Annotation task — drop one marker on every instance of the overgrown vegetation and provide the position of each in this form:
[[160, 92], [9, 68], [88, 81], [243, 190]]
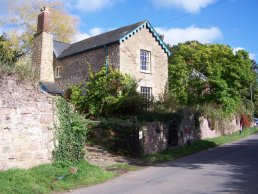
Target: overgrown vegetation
[[107, 93], [50, 177], [197, 146], [213, 80], [210, 74], [13, 63], [70, 133]]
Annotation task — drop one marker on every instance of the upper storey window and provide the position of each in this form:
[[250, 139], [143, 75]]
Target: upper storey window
[[145, 60]]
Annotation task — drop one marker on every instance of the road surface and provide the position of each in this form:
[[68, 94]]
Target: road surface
[[231, 168]]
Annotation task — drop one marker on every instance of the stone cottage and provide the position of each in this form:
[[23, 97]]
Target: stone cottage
[[136, 49]]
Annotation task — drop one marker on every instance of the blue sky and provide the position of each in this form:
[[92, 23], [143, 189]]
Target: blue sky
[[232, 22]]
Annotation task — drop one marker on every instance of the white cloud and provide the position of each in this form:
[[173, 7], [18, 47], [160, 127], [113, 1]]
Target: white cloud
[[95, 31], [251, 55], [187, 5], [180, 35], [92, 32], [90, 5]]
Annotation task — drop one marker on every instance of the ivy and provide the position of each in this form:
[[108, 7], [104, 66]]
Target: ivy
[[70, 133]]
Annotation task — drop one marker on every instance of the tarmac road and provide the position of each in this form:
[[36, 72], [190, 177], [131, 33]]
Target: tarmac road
[[231, 168]]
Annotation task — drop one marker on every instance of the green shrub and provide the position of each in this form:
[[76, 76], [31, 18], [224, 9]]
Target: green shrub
[[107, 93], [70, 133]]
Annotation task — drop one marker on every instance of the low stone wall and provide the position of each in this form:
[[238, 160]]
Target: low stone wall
[[227, 127], [156, 134], [25, 119]]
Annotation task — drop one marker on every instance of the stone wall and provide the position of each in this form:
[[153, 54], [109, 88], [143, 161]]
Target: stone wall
[[154, 137], [25, 118], [155, 134], [227, 127], [157, 77], [75, 69]]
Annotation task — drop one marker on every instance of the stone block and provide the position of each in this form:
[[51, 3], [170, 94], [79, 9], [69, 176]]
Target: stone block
[[46, 119], [6, 149], [39, 156], [25, 156], [6, 111]]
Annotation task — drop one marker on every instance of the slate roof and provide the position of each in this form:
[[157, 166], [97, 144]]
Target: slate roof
[[59, 47], [51, 88], [63, 50]]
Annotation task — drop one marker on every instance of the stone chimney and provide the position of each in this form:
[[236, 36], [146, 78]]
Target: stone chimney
[[42, 57]]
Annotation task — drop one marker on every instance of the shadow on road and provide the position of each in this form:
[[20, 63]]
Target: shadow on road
[[238, 161]]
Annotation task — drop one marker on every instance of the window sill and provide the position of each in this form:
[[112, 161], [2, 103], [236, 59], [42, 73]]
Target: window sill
[[145, 72], [57, 77]]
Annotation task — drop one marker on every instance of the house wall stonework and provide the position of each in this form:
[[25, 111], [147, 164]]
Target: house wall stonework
[[75, 69], [130, 61], [25, 118]]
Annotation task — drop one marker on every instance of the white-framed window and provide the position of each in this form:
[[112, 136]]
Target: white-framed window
[[57, 72], [145, 57], [146, 91]]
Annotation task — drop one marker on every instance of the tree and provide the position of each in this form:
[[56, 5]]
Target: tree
[[21, 23], [229, 76], [7, 55]]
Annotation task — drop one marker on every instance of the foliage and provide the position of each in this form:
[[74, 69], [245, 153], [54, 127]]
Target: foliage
[[209, 73], [196, 146], [70, 133], [21, 22], [107, 93], [7, 54], [21, 69], [40, 179], [117, 135]]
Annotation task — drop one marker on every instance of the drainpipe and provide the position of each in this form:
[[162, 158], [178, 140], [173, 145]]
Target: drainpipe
[[106, 48]]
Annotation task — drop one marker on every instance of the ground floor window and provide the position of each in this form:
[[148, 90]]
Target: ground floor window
[[146, 91], [57, 72]]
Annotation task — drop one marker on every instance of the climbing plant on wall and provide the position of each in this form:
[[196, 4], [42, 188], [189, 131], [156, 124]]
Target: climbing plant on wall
[[70, 133]]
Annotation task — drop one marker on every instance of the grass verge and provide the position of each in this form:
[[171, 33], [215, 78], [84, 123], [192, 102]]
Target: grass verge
[[41, 179], [121, 168], [174, 153]]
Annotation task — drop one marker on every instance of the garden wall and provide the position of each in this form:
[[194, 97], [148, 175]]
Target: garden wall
[[25, 118], [156, 134]]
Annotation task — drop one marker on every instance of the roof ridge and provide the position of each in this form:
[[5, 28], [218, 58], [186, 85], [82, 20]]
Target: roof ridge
[[110, 31], [61, 42]]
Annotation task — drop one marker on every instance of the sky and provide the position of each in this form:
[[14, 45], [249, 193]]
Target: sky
[[231, 22]]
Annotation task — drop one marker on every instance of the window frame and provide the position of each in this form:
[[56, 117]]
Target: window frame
[[57, 72], [146, 91], [146, 57]]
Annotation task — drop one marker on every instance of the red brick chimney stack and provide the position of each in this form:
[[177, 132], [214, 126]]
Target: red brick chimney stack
[[43, 20]]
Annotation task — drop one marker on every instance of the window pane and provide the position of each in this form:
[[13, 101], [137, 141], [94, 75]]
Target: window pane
[[146, 91], [144, 59]]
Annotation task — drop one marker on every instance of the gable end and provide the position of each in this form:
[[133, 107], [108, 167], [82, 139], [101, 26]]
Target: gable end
[[154, 33]]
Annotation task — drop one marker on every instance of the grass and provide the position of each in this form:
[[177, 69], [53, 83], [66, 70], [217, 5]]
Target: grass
[[197, 146], [40, 179], [123, 167]]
